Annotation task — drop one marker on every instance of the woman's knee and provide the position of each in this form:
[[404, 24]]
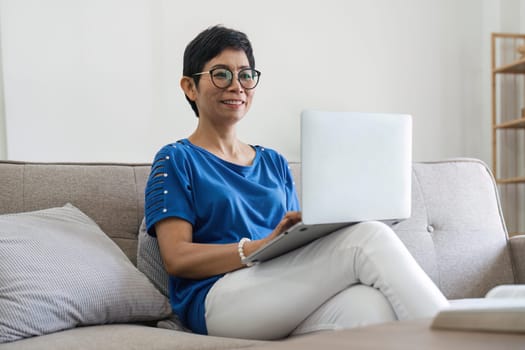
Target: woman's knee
[[375, 226], [369, 232], [358, 305], [364, 305]]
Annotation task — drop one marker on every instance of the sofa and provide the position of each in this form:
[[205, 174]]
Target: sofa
[[69, 243]]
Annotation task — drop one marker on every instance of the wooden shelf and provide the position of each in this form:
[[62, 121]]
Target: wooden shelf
[[511, 124], [507, 47], [511, 180], [512, 234], [517, 67]]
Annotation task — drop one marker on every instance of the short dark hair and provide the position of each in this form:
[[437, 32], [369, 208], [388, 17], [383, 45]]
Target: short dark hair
[[209, 44]]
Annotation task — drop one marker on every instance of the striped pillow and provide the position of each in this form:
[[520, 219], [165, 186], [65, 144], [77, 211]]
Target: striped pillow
[[59, 270], [149, 261]]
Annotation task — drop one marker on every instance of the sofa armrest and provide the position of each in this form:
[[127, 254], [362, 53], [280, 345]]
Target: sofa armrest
[[517, 249]]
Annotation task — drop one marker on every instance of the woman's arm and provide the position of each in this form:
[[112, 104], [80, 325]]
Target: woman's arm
[[185, 259]]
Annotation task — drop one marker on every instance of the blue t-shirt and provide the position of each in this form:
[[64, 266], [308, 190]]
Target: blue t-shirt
[[222, 201]]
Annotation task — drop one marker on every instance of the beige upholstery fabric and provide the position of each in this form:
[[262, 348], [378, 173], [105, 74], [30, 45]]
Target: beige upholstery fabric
[[455, 233], [111, 194], [456, 230], [128, 337]]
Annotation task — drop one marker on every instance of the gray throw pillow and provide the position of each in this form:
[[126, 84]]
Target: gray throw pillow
[[149, 262], [59, 270]]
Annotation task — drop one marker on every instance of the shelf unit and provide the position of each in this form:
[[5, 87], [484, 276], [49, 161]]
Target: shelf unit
[[508, 126]]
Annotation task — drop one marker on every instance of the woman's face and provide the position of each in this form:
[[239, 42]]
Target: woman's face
[[227, 105]]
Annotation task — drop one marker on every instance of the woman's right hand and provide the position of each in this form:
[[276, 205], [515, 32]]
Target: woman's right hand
[[291, 218]]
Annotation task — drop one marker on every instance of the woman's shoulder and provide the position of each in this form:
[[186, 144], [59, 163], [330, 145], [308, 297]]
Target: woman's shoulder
[[271, 154], [175, 150]]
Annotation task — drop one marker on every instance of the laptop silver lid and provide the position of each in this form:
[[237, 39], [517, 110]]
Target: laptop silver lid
[[355, 166]]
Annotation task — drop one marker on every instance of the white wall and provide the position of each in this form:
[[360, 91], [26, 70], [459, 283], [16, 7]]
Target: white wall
[[98, 80], [77, 78]]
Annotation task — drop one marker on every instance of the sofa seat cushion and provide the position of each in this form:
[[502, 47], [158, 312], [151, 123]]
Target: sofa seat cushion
[[129, 337], [59, 270]]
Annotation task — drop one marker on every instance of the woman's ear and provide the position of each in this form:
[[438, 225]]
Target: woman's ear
[[188, 86]]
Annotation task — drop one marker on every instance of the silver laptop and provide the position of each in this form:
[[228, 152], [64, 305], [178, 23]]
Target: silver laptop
[[354, 167]]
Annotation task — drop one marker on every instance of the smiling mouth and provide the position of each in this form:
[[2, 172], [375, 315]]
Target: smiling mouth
[[233, 102]]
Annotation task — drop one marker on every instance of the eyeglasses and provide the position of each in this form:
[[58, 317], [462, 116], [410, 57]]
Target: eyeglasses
[[223, 77]]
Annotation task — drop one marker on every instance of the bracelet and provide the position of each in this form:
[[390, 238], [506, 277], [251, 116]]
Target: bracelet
[[240, 249]]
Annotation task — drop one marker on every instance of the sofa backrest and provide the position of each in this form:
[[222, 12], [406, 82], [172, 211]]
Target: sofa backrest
[[111, 194], [456, 231]]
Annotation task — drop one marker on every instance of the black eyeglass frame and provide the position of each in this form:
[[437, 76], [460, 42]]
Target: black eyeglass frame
[[210, 72]]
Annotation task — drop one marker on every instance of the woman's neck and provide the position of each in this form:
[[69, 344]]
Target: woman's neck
[[223, 143]]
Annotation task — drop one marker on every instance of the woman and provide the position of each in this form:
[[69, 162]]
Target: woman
[[212, 199]]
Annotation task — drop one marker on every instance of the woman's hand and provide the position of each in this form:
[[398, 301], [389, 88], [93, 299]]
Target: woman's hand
[[291, 218]]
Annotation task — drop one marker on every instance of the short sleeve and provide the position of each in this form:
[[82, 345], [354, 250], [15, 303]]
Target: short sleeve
[[168, 191], [292, 201]]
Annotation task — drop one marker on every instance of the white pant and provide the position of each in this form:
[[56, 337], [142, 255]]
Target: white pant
[[358, 275]]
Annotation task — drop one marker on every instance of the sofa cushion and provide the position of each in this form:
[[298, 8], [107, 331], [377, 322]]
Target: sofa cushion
[[128, 337], [59, 270], [149, 260], [456, 231]]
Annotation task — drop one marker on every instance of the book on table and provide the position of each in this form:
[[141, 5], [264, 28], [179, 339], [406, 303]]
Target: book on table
[[502, 310]]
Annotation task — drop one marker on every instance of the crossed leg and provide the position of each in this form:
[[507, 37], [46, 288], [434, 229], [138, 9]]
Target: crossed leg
[[309, 288]]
